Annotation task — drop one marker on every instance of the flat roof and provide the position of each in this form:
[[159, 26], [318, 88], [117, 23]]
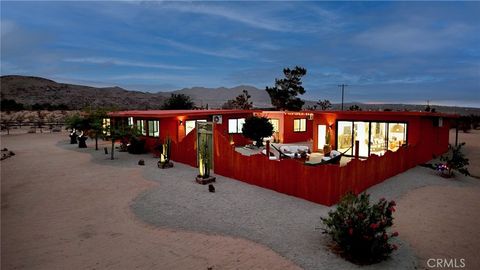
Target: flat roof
[[174, 113], [368, 113], [392, 113]]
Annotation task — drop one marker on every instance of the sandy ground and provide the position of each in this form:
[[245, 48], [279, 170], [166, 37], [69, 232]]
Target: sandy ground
[[82, 217], [443, 222], [60, 211]]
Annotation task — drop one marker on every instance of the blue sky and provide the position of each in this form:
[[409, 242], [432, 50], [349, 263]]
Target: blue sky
[[395, 52]]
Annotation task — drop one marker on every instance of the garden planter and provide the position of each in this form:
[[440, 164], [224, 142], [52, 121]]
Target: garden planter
[[205, 180], [165, 164], [327, 148]]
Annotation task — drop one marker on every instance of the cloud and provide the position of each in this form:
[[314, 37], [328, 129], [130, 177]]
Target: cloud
[[226, 52], [412, 38], [241, 16], [117, 62]]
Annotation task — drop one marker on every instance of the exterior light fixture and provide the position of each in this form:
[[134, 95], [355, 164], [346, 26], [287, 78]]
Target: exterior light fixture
[[180, 122]]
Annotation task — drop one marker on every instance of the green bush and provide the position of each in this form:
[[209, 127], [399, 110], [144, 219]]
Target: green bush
[[359, 229]]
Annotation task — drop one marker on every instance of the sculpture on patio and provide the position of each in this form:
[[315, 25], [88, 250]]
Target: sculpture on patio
[[82, 140]]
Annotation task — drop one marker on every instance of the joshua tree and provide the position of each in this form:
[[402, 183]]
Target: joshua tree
[[257, 128], [241, 102], [284, 94]]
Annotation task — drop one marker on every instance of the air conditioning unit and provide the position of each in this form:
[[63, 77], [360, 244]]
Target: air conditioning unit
[[217, 119], [310, 117]]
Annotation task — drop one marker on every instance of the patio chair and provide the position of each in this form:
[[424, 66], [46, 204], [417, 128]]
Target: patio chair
[[331, 160]]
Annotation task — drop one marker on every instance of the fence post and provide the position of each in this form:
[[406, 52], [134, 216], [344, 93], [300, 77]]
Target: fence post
[[267, 149], [357, 150]]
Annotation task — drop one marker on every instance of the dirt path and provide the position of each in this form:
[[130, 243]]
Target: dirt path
[[60, 211]]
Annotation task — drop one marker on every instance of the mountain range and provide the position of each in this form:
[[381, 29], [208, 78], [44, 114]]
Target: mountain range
[[30, 90]]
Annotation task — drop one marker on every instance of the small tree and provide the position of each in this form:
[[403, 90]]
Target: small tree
[[284, 94], [178, 102], [121, 133], [95, 120], [324, 104], [257, 128], [241, 102]]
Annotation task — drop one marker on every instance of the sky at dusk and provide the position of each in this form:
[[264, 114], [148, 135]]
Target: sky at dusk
[[388, 52]]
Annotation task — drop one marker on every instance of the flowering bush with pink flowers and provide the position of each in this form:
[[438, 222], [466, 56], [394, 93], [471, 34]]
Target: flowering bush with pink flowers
[[359, 229]]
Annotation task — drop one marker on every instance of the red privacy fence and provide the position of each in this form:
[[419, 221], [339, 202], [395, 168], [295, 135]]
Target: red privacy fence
[[324, 184]]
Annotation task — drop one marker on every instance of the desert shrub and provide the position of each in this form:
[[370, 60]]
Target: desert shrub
[[359, 229], [453, 160]]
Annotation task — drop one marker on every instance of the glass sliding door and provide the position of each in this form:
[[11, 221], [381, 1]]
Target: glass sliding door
[[378, 138], [397, 135], [344, 136], [361, 134]]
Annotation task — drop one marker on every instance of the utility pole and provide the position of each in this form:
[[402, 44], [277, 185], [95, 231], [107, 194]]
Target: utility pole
[[343, 91]]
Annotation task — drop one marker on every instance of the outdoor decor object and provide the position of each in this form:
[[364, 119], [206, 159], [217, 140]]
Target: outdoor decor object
[[204, 166], [165, 150], [141, 162], [211, 188], [82, 141], [73, 137]]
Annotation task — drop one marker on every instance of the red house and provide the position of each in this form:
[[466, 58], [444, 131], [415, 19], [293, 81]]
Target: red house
[[386, 143]]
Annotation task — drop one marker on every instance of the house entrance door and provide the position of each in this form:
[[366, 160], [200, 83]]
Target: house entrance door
[[205, 143]]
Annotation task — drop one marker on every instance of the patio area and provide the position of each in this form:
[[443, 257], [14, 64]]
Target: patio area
[[313, 157]]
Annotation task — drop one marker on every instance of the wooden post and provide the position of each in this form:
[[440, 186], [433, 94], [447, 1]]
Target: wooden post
[[456, 135], [357, 150], [267, 149]]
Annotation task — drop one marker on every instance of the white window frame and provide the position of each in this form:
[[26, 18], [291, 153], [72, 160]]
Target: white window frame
[[235, 125], [301, 128]]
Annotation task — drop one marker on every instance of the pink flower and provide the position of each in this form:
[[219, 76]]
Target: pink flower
[[394, 247], [391, 209], [393, 203], [373, 226], [395, 234], [350, 231]]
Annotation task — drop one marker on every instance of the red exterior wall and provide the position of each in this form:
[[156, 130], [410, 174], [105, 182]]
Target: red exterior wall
[[431, 141], [286, 132]]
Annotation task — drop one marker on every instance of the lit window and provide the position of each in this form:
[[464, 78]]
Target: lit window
[[142, 127], [235, 125], [276, 124], [153, 128], [130, 121], [299, 125], [106, 126], [190, 125]]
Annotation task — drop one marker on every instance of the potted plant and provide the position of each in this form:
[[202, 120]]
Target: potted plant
[[165, 150], [327, 148], [204, 176]]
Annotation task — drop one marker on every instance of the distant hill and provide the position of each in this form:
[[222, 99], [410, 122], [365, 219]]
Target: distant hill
[[216, 97], [30, 90]]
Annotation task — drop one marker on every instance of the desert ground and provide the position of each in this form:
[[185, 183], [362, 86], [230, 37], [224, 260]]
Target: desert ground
[[64, 207]]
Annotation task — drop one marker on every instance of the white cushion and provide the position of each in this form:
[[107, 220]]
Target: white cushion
[[334, 153]]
